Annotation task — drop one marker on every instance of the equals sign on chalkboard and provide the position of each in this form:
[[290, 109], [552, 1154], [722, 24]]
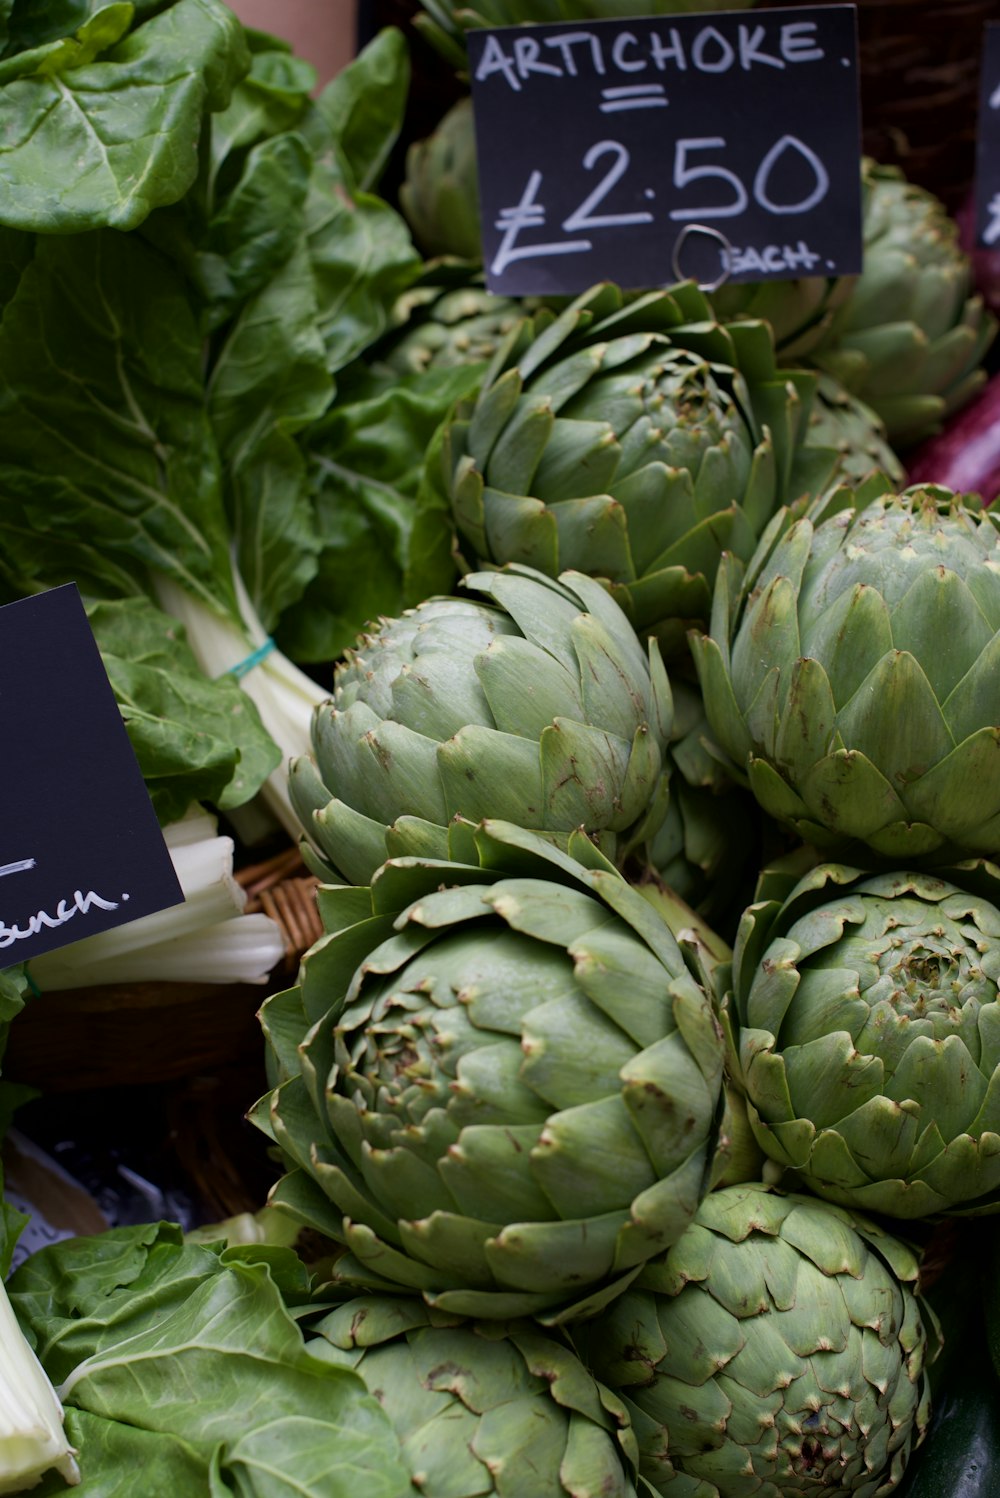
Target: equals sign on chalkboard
[[634, 96]]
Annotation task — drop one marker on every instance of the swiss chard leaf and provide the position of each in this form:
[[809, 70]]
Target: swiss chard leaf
[[188, 1363], [103, 126], [195, 739], [269, 381], [109, 466], [383, 547], [363, 106]]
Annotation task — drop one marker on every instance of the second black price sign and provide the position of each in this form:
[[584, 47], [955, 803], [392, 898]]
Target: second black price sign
[[720, 146]]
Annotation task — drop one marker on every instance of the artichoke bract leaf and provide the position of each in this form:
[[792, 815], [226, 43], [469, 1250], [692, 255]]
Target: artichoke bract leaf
[[412, 837], [518, 449], [527, 687], [848, 797], [354, 843], [774, 794], [763, 1075], [974, 699], [486, 1178], [557, 1258], [975, 1163], [491, 413], [760, 496], [625, 982], [469, 508], [521, 529], [343, 905], [761, 715], [289, 1123], [724, 716], [593, 535], [299, 1197], [883, 1138], [580, 458], [909, 417], [283, 1020], [589, 1464], [543, 608], [400, 1180], [581, 766], [609, 683], [329, 965], [939, 623], [850, 637], [379, 1258], [770, 986], [827, 1078], [960, 795], [896, 692], [665, 1094], [808, 720], [599, 1137], [486, 773], [944, 1070]]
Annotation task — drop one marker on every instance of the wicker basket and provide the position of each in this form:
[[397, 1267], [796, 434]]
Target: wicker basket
[[145, 1033]]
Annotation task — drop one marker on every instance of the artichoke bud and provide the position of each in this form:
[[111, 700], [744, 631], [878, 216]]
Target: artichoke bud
[[778, 1346], [507, 1083], [852, 680], [480, 1409], [868, 1012], [631, 439], [540, 707]]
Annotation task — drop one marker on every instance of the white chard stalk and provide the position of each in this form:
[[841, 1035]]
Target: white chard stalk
[[207, 939], [285, 696], [32, 1439]]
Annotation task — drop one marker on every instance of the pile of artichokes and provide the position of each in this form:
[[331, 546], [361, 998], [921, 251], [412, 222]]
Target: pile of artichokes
[[603, 1062]]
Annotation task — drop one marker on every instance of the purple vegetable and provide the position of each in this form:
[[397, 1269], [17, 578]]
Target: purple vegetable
[[966, 455]]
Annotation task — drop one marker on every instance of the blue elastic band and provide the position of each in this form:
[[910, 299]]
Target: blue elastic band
[[253, 659]]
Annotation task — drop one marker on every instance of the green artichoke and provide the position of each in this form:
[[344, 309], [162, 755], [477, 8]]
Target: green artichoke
[[543, 710], [499, 1084], [484, 1408], [445, 326], [869, 1034], [778, 1349], [799, 311], [910, 339], [445, 22], [440, 194], [840, 421], [623, 441], [854, 676]]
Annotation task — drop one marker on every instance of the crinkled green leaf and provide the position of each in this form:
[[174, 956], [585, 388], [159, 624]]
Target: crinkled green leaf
[[383, 547], [195, 739], [100, 130], [182, 1362], [363, 106], [105, 443]]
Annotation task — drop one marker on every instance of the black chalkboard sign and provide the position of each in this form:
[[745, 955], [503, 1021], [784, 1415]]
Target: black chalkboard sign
[[988, 142], [643, 151], [80, 847]]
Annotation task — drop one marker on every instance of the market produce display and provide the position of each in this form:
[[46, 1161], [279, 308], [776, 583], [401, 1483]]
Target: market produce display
[[629, 722]]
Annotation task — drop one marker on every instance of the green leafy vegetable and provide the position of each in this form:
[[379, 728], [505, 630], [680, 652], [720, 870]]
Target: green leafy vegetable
[[383, 548], [102, 125], [183, 1361], [363, 106], [195, 739], [106, 444]]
